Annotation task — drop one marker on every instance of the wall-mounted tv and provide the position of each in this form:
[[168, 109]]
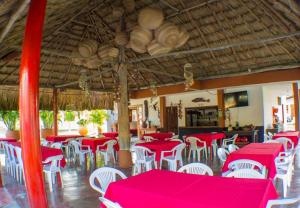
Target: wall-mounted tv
[[236, 99]]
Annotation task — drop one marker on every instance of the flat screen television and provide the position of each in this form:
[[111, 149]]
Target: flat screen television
[[236, 99]]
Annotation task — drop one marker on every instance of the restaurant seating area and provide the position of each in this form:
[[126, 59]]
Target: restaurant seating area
[[149, 104]]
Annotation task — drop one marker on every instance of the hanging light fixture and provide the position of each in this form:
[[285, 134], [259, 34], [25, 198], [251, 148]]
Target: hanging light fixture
[[153, 89], [188, 76], [83, 81]]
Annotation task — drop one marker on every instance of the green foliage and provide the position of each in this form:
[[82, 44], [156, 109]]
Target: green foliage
[[10, 119], [47, 119], [69, 116], [83, 122], [98, 116]]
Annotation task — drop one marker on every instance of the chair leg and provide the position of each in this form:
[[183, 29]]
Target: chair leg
[[284, 184], [189, 156], [49, 176], [198, 154], [61, 179]]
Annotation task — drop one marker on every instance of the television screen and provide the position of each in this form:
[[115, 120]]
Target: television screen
[[236, 99]]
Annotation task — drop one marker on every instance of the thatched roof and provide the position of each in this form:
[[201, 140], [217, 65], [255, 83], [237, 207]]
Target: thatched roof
[[67, 99], [226, 37]]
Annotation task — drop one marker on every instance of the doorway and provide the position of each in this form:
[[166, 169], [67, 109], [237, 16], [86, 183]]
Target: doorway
[[172, 119]]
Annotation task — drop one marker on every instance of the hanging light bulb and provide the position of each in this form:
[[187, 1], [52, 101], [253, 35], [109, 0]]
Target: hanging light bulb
[[188, 76]]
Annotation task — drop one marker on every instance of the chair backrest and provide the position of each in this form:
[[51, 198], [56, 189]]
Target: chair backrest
[[104, 176], [232, 148], [222, 154], [246, 173], [247, 164], [234, 138], [176, 140], [54, 162], [193, 142], [276, 202], [287, 143], [56, 145], [266, 137], [1, 145], [149, 138], [19, 156], [12, 153], [110, 145], [270, 135], [108, 203], [196, 168], [76, 146], [7, 151], [45, 143], [141, 153], [177, 151]]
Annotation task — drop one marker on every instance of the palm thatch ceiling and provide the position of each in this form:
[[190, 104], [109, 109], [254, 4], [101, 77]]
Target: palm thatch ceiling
[[227, 37]]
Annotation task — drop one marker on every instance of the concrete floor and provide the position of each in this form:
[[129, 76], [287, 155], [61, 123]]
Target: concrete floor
[[77, 192]]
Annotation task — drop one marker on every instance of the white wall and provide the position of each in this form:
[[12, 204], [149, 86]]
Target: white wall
[[251, 114], [186, 99]]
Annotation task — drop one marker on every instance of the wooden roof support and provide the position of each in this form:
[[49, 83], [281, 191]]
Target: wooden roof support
[[14, 17], [296, 105], [218, 48]]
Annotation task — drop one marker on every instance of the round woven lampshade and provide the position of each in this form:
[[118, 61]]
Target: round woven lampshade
[[150, 18]]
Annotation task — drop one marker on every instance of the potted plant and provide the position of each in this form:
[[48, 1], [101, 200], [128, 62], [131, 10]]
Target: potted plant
[[10, 119], [97, 117], [83, 131], [69, 117], [47, 123]]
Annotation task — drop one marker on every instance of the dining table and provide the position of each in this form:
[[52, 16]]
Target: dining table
[[168, 189], [61, 138], [94, 142], [158, 147], [264, 153], [292, 135], [159, 135], [47, 152], [8, 140], [208, 137], [113, 135]]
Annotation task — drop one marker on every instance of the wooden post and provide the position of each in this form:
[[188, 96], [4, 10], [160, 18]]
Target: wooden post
[[221, 108], [29, 105], [296, 106], [123, 120], [162, 111], [55, 111]]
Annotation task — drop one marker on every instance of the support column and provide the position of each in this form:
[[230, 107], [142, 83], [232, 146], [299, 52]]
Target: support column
[[29, 105], [221, 108], [296, 106], [55, 111], [162, 112], [123, 119]]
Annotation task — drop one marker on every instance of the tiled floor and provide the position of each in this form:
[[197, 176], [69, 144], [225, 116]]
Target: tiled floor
[[77, 192]]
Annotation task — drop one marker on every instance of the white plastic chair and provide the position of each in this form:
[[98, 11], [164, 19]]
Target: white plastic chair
[[56, 145], [194, 148], [247, 164], [81, 152], [149, 138], [287, 143], [8, 159], [196, 168], [19, 165], [144, 158], [222, 154], [266, 137], [277, 202], [229, 141], [108, 151], [176, 140], [51, 168], [232, 148], [104, 176], [270, 135], [176, 155], [45, 143], [13, 160], [108, 203], [245, 173]]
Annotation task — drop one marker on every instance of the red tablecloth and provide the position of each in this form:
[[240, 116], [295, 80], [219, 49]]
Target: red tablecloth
[[47, 152], [61, 138], [292, 135], [159, 136], [265, 153], [8, 140], [159, 146], [94, 142], [111, 134], [168, 189], [209, 137]]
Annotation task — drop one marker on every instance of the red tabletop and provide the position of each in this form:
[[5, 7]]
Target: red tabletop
[[159, 146], [8, 140], [47, 152], [265, 153], [61, 138], [94, 142], [292, 135], [160, 136], [111, 134], [168, 189], [209, 137]]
